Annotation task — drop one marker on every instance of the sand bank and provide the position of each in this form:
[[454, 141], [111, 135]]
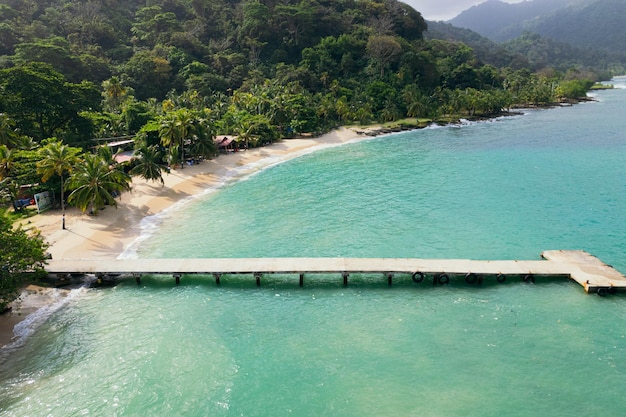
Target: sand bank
[[24, 312], [113, 230], [110, 232]]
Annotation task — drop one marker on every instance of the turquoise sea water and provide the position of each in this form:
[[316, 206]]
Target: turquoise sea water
[[505, 189]]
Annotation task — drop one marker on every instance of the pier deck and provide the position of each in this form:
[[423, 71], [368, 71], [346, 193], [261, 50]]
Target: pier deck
[[591, 273]]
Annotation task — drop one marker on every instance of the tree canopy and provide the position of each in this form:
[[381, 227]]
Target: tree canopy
[[173, 75], [42, 103], [79, 71], [20, 253]]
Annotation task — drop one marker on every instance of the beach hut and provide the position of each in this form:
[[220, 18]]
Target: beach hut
[[226, 143]]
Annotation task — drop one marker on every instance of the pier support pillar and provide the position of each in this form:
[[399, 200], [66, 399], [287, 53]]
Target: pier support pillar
[[257, 277], [389, 278], [442, 279], [217, 278], [472, 278], [345, 276], [177, 278], [137, 278], [301, 280]]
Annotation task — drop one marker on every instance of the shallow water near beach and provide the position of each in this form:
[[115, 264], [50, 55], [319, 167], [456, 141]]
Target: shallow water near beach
[[504, 189]]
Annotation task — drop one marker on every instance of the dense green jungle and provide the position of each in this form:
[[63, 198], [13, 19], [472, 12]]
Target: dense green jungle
[[169, 76]]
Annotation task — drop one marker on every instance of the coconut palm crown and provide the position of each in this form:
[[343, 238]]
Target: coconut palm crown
[[95, 183]]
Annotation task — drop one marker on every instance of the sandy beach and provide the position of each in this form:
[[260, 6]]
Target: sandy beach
[[114, 229], [32, 298]]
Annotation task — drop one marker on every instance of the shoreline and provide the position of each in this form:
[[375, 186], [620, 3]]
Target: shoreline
[[115, 229], [33, 298]]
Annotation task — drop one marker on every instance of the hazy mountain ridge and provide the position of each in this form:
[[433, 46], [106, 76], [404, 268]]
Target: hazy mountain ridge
[[502, 21], [583, 24], [486, 50], [528, 50], [595, 24]]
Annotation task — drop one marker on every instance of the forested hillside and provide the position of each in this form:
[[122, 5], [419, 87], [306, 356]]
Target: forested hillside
[[530, 50], [207, 45], [486, 50], [503, 21], [173, 74], [597, 25], [583, 24]]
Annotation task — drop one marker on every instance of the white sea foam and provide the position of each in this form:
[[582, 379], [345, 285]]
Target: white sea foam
[[465, 122], [618, 82], [206, 341], [27, 327], [150, 224]]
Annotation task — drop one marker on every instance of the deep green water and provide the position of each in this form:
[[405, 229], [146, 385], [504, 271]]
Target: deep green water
[[506, 189]]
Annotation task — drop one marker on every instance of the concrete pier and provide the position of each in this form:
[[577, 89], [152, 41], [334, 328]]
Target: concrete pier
[[591, 273]]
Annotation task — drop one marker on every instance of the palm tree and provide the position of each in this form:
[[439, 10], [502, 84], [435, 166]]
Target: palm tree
[[203, 146], [24, 142], [414, 100], [6, 161], [174, 131], [173, 156], [390, 111], [105, 152], [202, 134], [94, 183], [245, 129], [114, 93], [168, 132], [7, 130], [8, 186], [57, 158], [184, 122], [327, 107], [149, 165], [9, 190]]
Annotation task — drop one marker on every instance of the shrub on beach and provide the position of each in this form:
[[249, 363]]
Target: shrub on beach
[[21, 255], [574, 89]]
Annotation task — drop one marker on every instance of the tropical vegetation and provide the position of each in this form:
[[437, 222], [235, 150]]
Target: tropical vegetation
[[21, 255], [172, 75], [95, 183], [169, 76], [57, 158]]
